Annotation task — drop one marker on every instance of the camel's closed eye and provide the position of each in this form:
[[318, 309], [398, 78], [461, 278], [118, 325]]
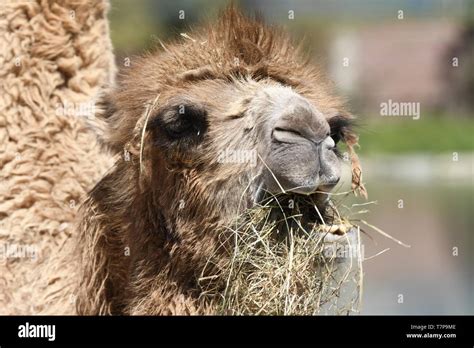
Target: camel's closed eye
[[183, 123]]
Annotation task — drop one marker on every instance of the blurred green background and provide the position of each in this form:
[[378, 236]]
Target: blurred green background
[[417, 51]]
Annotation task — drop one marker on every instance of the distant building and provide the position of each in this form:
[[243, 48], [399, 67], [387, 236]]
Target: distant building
[[403, 61]]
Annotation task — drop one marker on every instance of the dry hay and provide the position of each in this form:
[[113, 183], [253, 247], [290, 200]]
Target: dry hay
[[285, 257]]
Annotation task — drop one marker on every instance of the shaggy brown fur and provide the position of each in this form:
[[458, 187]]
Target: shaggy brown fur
[[151, 223], [52, 53]]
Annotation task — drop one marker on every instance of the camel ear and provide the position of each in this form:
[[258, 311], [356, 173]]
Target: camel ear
[[102, 123]]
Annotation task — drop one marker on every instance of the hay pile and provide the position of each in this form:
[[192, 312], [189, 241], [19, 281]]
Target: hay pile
[[285, 257]]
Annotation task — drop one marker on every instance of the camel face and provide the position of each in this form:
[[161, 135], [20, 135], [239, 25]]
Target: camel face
[[260, 131], [247, 125]]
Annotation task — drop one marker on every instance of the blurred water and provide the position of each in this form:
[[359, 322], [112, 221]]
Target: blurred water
[[432, 211]]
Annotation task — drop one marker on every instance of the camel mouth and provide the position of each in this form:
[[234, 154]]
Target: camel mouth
[[314, 208], [316, 212], [319, 196]]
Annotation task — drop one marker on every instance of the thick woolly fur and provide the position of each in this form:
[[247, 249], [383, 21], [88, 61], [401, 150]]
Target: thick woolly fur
[[53, 55], [149, 226]]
